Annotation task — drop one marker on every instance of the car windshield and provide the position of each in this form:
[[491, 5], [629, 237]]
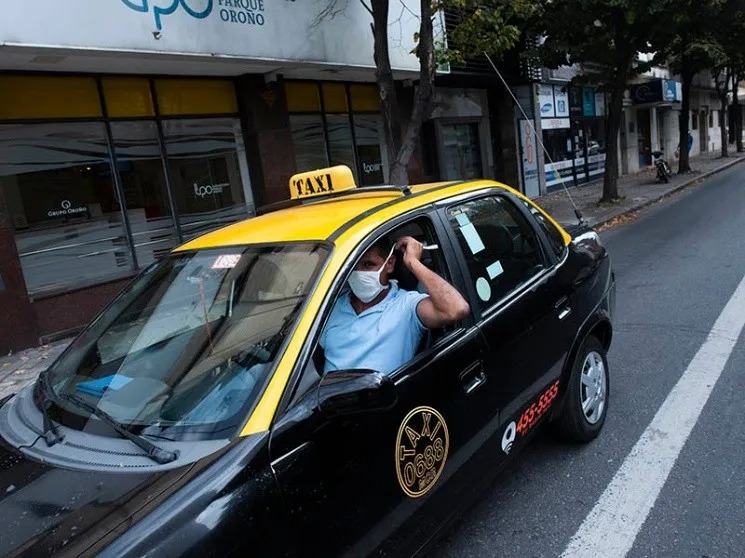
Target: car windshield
[[185, 350]]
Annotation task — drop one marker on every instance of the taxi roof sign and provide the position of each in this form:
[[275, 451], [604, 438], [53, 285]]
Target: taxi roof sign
[[321, 182]]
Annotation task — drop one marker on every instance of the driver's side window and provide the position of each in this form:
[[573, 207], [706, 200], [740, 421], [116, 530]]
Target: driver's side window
[[391, 327]]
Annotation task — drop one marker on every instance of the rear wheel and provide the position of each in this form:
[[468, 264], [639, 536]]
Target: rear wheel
[[586, 401]]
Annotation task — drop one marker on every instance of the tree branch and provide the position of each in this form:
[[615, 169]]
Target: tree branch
[[330, 11], [368, 8]]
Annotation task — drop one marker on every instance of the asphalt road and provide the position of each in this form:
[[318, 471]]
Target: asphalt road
[[677, 267]]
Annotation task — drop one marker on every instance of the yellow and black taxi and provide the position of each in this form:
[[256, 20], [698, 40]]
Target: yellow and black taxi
[[196, 415]]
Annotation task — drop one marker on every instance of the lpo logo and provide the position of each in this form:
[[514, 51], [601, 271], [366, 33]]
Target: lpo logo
[[209, 190], [202, 10]]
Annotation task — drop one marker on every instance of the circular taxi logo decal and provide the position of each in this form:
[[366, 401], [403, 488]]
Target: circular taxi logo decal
[[421, 450]]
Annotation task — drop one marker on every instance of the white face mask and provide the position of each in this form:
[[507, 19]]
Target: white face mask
[[366, 284]]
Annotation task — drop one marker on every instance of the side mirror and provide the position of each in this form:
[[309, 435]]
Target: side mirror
[[348, 392]]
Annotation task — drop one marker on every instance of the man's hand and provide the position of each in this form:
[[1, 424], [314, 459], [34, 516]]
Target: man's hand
[[444, 305], [411, 248]]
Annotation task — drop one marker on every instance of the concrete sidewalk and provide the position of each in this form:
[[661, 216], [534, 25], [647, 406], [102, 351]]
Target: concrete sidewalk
[[18, 369], [639, 190]]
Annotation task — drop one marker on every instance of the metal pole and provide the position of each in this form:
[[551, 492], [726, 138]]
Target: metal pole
[[324, 124], [353, 133], [164, 161], [115, 174]]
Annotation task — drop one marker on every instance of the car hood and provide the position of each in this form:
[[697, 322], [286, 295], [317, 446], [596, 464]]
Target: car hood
[[62, 500], [49, 510]]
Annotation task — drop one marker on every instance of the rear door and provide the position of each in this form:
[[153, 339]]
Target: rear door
[[382, 483], [515, 288]]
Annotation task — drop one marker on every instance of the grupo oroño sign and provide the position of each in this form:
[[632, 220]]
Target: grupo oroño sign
[[246, 29], [66, 209]]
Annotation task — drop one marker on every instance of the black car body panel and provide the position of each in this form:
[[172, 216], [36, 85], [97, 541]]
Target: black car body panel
[[221, 505], [355, 463]]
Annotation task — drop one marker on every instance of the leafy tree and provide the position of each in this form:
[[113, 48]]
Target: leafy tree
[[692, 46], [728, 59], [608, 35], [731, 36], [483, 26]]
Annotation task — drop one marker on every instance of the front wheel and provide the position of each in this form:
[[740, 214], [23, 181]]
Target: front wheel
[[586, 401]]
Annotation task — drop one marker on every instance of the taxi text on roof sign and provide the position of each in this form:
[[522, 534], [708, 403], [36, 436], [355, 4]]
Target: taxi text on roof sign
[[321, 182]]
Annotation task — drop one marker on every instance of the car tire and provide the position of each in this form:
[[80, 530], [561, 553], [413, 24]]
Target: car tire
[[586, 401]]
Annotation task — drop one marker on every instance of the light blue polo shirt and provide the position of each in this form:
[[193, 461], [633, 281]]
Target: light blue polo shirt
[[381, 338]]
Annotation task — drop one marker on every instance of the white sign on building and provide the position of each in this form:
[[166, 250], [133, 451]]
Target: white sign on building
[[265, 30]]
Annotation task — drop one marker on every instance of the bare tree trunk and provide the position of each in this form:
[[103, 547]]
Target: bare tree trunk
[[686, 75], [615, 111], [401, 145], [390, 110]]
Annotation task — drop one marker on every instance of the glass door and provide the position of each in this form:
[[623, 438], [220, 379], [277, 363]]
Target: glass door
[[461, 149]]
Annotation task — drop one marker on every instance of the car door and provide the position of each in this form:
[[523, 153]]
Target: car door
[[517, 291], [382, 482]]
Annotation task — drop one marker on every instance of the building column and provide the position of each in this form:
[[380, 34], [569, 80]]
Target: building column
[[269, 148], [18, 327], [653, 130]]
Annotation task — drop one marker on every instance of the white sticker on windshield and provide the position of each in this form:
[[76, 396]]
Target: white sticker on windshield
[[226, 261], [495, 270], [483, 289]]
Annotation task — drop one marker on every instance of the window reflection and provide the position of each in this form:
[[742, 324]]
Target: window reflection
[[58, 187], [207, 176], [145, 192], [309, 143], [369, 154], [340, 140]]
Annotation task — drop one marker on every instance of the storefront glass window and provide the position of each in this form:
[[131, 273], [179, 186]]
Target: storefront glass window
[[326, 133], [595, 132], [60, 195], [462, 151], [340, 140], [308, 140], [371, 166], [207, 173], [145, 191], [559, 166]]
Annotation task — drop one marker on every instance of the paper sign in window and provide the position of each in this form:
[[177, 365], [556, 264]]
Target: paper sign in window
[[226, 261], [475, 245], [495, 270]]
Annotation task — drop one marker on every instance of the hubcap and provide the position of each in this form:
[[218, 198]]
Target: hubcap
[[592, 388]]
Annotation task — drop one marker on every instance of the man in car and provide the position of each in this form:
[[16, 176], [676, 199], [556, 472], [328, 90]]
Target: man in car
[[377, 325]]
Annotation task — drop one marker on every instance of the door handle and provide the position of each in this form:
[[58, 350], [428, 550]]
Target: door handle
[[564, 312], [563, 308], [473, 377]]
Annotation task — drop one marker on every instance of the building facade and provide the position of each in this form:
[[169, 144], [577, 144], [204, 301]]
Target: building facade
[[128, 127]]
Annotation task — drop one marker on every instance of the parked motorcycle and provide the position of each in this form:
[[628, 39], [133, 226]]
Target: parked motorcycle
[[664, 172]]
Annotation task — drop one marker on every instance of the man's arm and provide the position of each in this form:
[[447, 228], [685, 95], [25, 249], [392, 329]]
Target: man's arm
[[445, 304]]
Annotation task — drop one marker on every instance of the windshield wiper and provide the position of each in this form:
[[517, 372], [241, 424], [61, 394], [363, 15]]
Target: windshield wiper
[[159, 455], [51, 435]]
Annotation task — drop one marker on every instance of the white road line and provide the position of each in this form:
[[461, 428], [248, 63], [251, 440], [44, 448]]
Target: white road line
[[609, 530]]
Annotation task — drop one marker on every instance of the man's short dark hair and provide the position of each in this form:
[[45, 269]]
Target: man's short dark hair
[[383, 246]]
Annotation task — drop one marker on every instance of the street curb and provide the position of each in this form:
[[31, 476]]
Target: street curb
[[670, 192]]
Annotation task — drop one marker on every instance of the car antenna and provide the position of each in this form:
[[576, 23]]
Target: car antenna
[[577, 212]]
